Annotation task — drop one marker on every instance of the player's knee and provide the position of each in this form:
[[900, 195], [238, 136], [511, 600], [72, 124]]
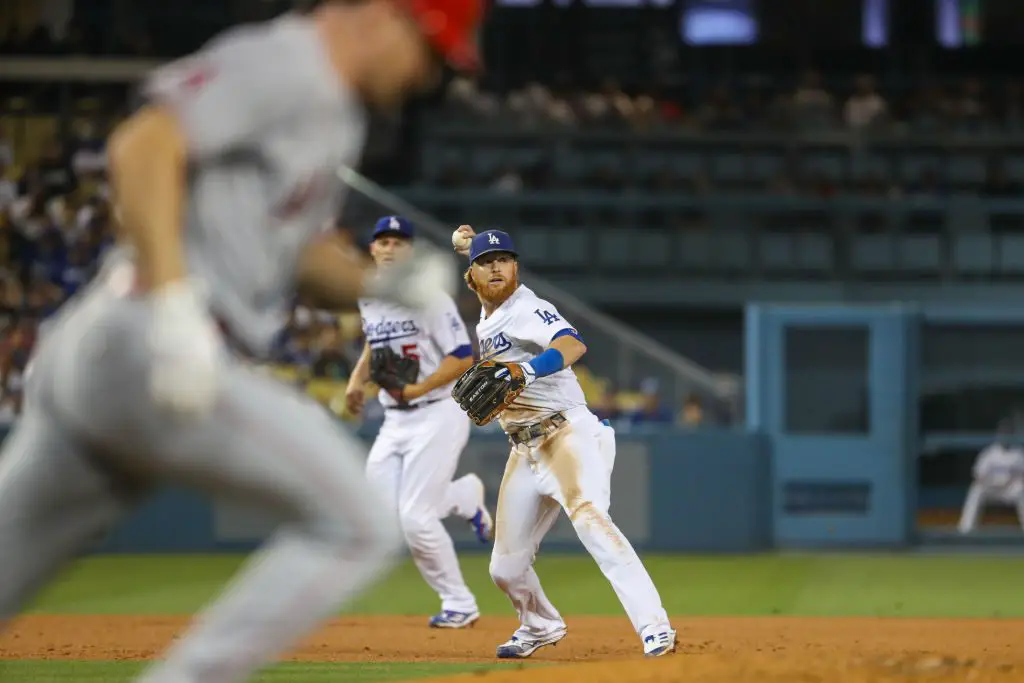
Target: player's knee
[[418, 531], [507, 569]]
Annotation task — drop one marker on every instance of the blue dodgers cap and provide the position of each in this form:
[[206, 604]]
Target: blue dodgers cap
[[395, 225], [491, 240]]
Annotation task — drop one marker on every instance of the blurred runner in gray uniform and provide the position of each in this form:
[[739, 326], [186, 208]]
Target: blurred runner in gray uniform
[[224, 184]]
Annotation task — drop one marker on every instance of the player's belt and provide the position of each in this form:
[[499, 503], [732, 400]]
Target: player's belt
[[521, 435], [413, 406]]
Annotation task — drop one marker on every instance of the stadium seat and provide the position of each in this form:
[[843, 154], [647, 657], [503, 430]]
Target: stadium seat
[[973, 254], [920, 253], [872, 253], [1011, 254]]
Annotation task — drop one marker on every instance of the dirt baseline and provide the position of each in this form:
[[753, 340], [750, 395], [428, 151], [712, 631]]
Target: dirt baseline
[[712, 650]]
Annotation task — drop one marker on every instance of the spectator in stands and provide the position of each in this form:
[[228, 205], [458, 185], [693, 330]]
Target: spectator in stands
[[604, 405], [508, 181], [865, 108], [969, 108], [812, 105], [692, 414], [650, 408], [55, 172], [330, 361]]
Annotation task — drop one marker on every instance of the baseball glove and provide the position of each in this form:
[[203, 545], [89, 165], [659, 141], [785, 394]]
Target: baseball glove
[[392, 372], [483, 395]]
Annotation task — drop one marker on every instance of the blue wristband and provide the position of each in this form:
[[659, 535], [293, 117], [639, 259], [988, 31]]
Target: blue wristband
[[547, 363]]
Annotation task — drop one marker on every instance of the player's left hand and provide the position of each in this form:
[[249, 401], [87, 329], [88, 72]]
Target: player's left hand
[[411, 392], [528, 373]]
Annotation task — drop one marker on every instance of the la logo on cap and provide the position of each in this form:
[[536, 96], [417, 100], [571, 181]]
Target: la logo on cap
[[394, 224], [493, 239]]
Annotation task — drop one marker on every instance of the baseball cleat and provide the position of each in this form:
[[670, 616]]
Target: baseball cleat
[[482, 523], [450, 619], [660, 643], [521, 648]]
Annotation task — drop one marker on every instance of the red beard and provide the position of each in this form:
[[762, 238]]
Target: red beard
[[495, 295]]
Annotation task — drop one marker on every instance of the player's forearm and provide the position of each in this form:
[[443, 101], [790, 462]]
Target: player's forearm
[[449, 370], [568, 347], [331, 274], [561, 353], [361, 372], [147, 159]]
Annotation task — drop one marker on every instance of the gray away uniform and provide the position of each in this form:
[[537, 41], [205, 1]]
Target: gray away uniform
[[268, 126]]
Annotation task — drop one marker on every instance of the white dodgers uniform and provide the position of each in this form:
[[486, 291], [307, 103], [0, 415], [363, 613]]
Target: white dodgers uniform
[[417, 449], [998, 478], [562, 456]]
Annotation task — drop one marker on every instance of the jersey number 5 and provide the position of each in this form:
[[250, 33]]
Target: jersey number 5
[[409, 351], [547, 316]]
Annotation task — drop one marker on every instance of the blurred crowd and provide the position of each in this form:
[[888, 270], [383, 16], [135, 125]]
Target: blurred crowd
[[848, 111], [55, 224], [811, 102]]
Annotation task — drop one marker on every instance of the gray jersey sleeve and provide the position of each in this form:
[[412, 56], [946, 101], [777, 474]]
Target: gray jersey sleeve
[[227, 95]]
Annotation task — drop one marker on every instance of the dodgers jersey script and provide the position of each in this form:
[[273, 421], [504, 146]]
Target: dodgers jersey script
[[428, 336], [520, 328], [268, 123]]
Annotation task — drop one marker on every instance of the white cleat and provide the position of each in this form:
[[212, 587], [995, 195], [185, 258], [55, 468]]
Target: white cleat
[[659, 643], [521, 648]]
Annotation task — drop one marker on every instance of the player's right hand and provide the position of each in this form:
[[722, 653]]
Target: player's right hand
[[469, 232], [355, 398], [186, 350]]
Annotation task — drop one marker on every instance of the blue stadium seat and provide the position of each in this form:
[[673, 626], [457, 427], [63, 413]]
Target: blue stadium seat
[[535, 246], [816, 252], [826, 165], [920, 253], [778, 251], [872, 252], [733, 250], [652, 247], [1015, 167], [1011, 254], [763, 166], [615, 247], [695, 250], [865, 166], [973, 253], [910, 169], [966, 170], [728, 167], [687, 165], [570, 246]]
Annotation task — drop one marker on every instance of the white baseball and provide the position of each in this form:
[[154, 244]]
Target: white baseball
[[461, 241]]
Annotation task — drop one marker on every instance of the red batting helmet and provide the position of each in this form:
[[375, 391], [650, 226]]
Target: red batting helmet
[[451, 27]]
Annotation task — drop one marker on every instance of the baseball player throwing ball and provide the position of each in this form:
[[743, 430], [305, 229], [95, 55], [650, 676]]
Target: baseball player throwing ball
[[562, 455], [415, 358], [224, 183]]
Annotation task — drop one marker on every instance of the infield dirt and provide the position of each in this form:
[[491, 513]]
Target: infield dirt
[[599, 649]]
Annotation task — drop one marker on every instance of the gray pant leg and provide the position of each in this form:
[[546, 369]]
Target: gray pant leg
[[54, 503], [264, 443], [267, 443]]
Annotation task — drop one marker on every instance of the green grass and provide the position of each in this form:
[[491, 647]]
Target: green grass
[[826, 585], [799, 584], [106, 672]]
